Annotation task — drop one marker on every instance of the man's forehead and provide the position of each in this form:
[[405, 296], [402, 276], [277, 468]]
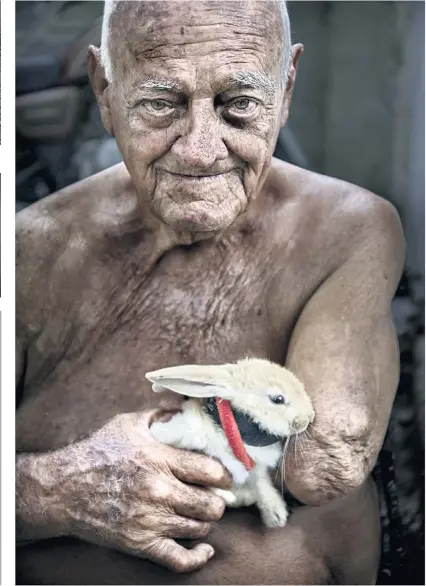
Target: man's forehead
[[143, 26], [147, 12]]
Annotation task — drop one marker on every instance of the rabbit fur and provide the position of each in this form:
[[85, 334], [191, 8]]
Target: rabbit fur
[[249, 385]]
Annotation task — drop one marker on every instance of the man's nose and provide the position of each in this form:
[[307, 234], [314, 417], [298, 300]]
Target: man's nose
[[201, 143]]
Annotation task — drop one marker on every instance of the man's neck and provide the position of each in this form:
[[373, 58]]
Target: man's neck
[[130, 215]]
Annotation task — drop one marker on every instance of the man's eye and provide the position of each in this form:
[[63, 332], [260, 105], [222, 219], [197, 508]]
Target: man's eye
[[159, 105], [242, 106]]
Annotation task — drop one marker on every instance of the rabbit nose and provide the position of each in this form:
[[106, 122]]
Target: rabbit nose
[[299, 424]]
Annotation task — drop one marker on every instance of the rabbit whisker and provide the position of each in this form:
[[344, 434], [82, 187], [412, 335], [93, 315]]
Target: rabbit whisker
[[294, 446], [283, 464], [280, 470], [286, 446], [298, 445], [309, 435], [303, 447], [314, 428], [278, 467], [303, 435]]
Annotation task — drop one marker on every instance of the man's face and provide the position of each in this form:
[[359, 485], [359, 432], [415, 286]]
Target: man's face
[[196, 105]]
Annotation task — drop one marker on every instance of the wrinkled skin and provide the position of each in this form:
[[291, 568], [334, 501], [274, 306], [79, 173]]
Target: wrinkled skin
[[205, 126], [124, 461], [142, 267]]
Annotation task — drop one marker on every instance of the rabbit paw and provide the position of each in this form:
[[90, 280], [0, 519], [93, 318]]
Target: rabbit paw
[[227, 495], [275, 516]]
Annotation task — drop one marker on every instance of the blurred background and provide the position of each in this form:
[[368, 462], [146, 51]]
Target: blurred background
[[357, 114]]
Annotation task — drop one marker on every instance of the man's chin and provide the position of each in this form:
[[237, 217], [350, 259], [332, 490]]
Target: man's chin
[[197, 217]]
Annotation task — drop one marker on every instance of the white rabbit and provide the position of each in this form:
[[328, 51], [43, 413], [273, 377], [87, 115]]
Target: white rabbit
[[268, 404]]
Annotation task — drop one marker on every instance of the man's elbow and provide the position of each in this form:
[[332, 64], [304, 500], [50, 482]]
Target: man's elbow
[[334, 484], [330, 474]]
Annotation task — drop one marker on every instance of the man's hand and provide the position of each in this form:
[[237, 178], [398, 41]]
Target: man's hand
[[122, 489]]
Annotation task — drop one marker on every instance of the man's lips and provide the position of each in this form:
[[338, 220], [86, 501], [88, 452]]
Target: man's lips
[[197, 176]]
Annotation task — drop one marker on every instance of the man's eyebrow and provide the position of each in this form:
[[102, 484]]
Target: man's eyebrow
[[157, 84], [239, 80], [251, 80]]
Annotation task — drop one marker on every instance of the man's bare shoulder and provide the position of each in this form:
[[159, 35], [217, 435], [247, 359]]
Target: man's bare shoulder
[[56, 237], [337, 213], [74, 216]]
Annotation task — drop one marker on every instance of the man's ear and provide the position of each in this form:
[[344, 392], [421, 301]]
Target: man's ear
[[296, 52], [100, 86]]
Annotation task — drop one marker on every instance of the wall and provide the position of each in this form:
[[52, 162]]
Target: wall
[[358, 106]]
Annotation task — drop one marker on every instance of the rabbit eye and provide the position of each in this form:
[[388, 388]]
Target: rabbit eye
[[277, 399]]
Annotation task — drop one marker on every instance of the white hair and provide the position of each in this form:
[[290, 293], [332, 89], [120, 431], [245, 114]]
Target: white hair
[[110, 6]]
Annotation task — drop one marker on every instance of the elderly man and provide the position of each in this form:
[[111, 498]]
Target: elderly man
[[200, 248]]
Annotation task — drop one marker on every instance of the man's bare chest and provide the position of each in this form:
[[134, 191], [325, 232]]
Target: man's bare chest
[[190, 309]]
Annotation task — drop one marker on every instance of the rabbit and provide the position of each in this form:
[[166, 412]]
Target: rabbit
[[268, 404]]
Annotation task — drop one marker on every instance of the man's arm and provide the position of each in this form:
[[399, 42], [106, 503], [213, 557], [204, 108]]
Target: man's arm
[[37, 247], [118, 487], [345, 350]]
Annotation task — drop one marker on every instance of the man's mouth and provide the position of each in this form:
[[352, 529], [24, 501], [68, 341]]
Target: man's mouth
[[197, 177]]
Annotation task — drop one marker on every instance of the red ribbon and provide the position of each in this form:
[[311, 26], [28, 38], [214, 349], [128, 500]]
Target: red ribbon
[[230, 428]]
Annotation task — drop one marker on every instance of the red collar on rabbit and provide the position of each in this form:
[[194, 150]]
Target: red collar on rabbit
[[230, 429]]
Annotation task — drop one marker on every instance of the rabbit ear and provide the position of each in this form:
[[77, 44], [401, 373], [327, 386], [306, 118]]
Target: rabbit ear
[[192, 380]]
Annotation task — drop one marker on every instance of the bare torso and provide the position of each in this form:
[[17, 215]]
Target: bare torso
[[126, 309]]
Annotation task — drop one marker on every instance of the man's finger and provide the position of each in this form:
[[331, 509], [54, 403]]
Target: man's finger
[[197, 503], [170, 554], [198, 469], [177, 527]]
